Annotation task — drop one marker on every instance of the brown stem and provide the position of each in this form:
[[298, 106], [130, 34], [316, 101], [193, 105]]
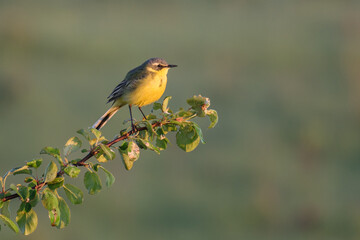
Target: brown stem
[[91, 154]]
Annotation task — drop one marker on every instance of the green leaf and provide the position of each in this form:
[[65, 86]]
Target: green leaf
[[101, 158], [13, 187], [145, 144], [56, 183], [96, 133], [161, 142], [23, 193], [84, 133], [27, 207], [184, 114], [21, 170], [95, 166], [95, 141], [92, 182], [151, 117], [213, 116], [9, 223], [108, 153], [129, 152], [199, 132], [140, 142], [32, 194], [5, 209], [165, 103], [54, 152], [144, 134], [74, 194], [64, 213], [34, 197], [50, 172], [54, 216], [156, 106], [160, 131], [72, 145], [49, 199], [187, 138], [35, 163], [199, 100], [29, 179], [199, 104], [32, 183], [149, 128], [170, 128], [27, 221], [110, 179], [72, 171], [123, 132], [133, 151]]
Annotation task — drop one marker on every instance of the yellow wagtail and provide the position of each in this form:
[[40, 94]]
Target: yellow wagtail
[[142, 86]]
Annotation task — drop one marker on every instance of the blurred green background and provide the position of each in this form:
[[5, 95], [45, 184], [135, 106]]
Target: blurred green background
[[284, 159]]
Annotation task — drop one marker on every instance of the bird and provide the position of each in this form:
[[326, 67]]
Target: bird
[[141, 86]]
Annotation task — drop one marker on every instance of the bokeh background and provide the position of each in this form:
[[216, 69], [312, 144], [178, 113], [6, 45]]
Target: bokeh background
[[283, 161]]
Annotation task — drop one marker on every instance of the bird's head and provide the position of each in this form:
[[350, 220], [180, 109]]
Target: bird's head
[[158, 65]]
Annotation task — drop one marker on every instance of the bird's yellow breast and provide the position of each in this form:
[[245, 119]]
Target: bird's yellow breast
[[149, 90]]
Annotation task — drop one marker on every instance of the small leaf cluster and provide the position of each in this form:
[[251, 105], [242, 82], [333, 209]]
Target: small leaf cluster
[[48, 185]]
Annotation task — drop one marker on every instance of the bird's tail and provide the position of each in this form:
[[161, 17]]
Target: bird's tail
[[104, 118]]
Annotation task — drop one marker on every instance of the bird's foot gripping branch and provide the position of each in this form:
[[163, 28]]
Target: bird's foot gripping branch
[[47, 185]]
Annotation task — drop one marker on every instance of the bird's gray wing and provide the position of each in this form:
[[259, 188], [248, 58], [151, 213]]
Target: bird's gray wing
[[128, 84]]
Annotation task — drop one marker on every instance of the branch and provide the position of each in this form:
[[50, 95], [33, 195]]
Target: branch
[[93, 153], [151, 136]]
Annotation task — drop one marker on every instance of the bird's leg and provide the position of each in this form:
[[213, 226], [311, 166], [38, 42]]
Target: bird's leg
[[142, 113], [131, 118]]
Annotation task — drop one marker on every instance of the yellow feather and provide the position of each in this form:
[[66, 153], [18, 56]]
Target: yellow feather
[[142, 86], [149, 90]]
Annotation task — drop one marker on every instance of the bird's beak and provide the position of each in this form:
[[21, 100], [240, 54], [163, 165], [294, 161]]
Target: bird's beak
[[171, 65]]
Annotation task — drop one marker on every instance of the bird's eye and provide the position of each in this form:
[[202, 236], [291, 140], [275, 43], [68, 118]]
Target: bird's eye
[[159, 66]]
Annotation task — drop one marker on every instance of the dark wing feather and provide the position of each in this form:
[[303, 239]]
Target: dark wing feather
[[129, 83]]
